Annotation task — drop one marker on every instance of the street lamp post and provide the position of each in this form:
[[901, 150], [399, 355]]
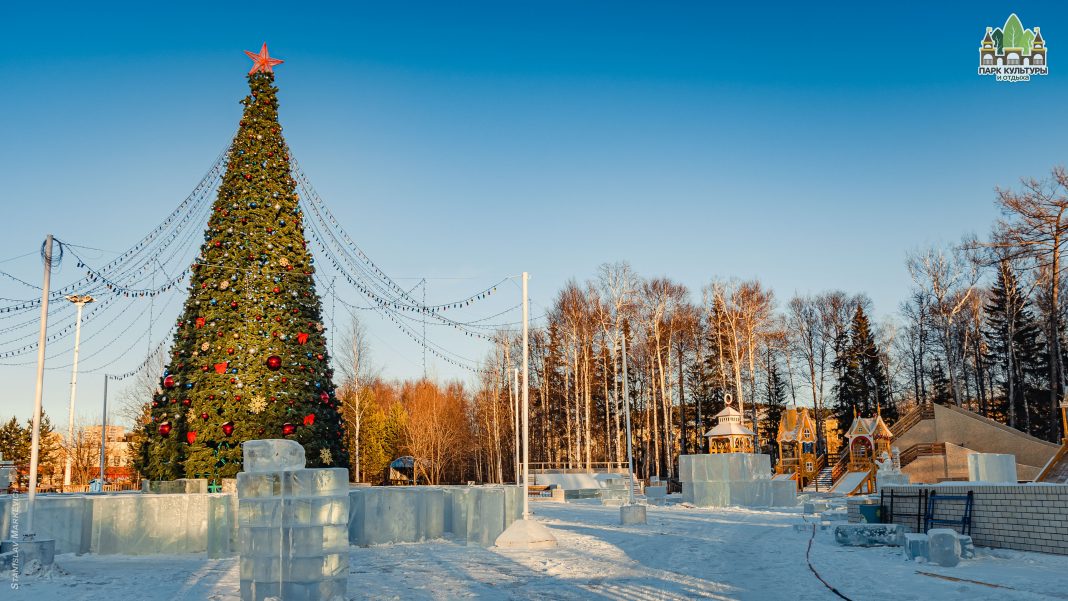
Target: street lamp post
[[80, 302]]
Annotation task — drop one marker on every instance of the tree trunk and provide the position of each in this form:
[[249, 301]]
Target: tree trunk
[[1056, 379], [655, 432]]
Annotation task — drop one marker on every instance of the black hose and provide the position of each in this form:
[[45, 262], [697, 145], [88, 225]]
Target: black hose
[[808, 553]]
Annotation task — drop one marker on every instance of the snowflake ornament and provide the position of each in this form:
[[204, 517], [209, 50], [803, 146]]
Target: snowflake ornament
[[326, 457], [257, 404]]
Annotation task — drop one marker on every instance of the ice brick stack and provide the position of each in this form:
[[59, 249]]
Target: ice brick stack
[[293, 525], [614, 489], [724, 479]]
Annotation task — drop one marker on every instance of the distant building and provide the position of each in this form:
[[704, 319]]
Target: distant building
[[120, 452]]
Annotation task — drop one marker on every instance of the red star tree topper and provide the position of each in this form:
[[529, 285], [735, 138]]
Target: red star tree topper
[[262, 62]]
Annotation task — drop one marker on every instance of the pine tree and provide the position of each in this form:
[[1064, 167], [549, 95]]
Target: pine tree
[[249, 358], [940, 386], [15, 447], [774, 405], [1015, 349], [862, 383]]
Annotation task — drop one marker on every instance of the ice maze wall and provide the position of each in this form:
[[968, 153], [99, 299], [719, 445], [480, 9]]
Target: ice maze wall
[[144, 524]]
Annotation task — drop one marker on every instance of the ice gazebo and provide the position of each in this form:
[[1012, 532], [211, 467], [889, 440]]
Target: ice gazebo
[[730, 435]]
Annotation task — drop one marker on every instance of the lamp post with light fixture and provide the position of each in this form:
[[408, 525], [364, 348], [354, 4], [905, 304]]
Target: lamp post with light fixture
[[80, 302]]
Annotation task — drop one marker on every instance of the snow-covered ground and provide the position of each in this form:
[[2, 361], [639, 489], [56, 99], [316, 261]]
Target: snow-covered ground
[[682, 553]]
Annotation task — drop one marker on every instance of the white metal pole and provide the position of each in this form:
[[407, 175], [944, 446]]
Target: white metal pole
[[104, 434], [526, 405], [626, 409], [35, 439], [79, 301], [515, 412]]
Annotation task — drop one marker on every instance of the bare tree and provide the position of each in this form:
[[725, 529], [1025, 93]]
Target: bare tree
[[948, 278], [356, 371], [618, 284]]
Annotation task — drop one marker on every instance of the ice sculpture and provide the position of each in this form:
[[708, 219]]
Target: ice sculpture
[[292, 525]]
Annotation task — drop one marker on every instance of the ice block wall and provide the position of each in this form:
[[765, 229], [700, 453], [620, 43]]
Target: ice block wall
[[725, 479], [292, 525]]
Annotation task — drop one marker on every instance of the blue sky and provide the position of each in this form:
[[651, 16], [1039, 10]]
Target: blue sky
[[811, 148]]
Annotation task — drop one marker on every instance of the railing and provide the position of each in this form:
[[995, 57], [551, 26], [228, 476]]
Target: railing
[[841, 466], [577, 467], [78, 488], [821, 462], [922, 449], [910, 419]]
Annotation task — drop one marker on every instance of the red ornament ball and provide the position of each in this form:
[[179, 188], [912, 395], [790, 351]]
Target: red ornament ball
[[191, 436], [233, 305], [204, 416], [324, 397], [274, 363], [168, 382], [228, 428], [288, 429], [277, 289], [165, 429]]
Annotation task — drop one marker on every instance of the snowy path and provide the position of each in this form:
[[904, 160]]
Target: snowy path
[[682, 553]]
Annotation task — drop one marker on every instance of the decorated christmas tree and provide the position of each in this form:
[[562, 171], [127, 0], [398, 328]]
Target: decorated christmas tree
[[249, 358]]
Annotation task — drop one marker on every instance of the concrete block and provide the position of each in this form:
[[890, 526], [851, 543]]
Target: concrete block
[[869, 535], [29, 556], [632, 514]]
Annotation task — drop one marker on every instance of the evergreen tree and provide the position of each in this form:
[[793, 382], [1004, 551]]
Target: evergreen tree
[[249, 358], [49, 453], [862, 384], [16, 442], [15, 446], [1015, 350], [940, 388], [774, 405]]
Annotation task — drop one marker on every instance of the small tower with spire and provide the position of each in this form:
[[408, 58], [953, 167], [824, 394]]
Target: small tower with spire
[[1038, 49], [988, 51]]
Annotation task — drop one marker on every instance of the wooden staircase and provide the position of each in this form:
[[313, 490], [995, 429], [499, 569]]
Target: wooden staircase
[[823, 481], [1056, 471]]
